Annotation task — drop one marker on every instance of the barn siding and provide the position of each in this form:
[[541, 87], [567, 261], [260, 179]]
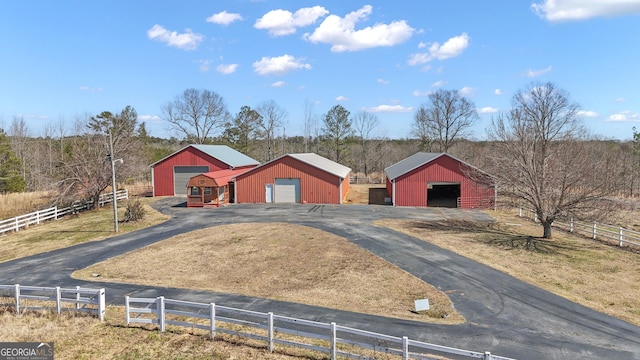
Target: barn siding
[[316, 186], [190, 156], [411, 188]]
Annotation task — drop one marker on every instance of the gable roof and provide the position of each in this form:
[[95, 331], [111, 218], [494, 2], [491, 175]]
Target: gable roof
[[227, 155], [221, 177], [411, 163], [314, 160]]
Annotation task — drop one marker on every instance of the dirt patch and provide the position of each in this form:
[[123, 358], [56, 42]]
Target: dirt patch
[[283, 262]]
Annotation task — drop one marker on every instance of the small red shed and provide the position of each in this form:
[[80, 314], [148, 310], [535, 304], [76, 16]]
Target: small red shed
[[211, 189], [294, 178], [169, 176], [439, 179]]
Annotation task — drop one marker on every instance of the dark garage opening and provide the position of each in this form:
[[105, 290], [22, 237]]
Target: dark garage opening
[[443, 195]]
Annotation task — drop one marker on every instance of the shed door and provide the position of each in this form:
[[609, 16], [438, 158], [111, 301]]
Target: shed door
[[268, 189], [287, 191], [181, 176]]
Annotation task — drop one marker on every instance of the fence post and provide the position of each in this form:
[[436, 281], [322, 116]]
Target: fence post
[[38, 217], [17, 290], [102, 307], [595, 230], [17, 224], [127, 316], [333, 341], [571, 225], [78, 298], [519, 212], [620, 237], [405, 348], [160, 310], [55, 212], [270, 334], [58, 304], [212, 320], [487, 356]]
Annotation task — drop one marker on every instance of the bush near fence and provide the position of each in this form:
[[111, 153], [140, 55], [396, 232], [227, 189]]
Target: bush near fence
[[331, 339]]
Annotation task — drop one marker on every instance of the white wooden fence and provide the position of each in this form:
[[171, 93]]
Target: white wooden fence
[[275, 329], [90, 301], [53, 213], [593, 230]]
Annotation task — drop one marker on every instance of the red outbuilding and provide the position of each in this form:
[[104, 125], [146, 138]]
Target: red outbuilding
[[170, 175], [212, 189], [294, 178], [438, 179]]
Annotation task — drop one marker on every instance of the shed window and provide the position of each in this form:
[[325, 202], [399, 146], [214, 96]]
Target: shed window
[[207, 191], [221, 193], [195, 190]]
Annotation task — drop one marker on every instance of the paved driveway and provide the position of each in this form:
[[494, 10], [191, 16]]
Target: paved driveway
[[505, 315]]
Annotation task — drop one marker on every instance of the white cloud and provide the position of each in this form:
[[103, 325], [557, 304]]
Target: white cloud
[[536, 73], [342, 35], [278, 84], [186, 41], [422, 93], [279, 65], [497, 92], [422, 45], [487, 110], [439, 83], [620, 100], [204, 65], [383, 81], [587, 113], [624, 116], [90, 89], [153, 118], [226, 68], [224, 18], [283, 22], [389, 108], [566, 10], [467, 91], [451, 48], [342, 98]]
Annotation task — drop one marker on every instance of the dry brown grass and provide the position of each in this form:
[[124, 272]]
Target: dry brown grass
[[359, 193], [598, 276], [15, 204], [70, 230], [279, 261]]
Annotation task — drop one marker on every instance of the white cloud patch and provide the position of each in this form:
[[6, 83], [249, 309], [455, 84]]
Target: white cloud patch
[[439, 83], [589, 114], [620, 100], [383, 81], [497, 92], [535, 73], [487, 110], [451, 48], [467, 91], [278, 84], [341, 33], [279, 65], [624, 116], [151, 118], [185, 41], [226, 68], [389, 108], [422, 45], [568, 10], [283, 22], [90, 89], [204, 65], [422, 93], [224, 18], [342, 98]]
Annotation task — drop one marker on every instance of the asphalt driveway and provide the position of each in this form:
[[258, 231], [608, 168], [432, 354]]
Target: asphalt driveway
[[504, 315]]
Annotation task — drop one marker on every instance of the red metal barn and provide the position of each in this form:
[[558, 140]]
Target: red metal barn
[[170, 175], [438, 179], [294, 178]]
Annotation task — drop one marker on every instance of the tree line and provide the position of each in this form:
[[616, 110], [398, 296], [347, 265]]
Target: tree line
[[538, 152]]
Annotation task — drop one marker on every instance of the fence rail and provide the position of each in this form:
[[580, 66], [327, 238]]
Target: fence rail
[[86, 300], [274, 329], [53, 213], [593, 230]]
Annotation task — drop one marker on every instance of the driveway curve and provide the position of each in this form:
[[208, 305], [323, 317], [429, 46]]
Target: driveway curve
[[504, 315]]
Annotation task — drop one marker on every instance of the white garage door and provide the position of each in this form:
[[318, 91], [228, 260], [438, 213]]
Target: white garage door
[[181, 176], [287, 191]]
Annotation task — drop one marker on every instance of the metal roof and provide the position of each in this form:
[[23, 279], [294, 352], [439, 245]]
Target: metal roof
[[323, 163], [411, 163], [227, 155]]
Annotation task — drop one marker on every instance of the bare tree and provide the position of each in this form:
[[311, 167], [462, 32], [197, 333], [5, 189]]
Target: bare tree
[[310, 124], [541, 157], [272, 118], [337, 128], [20, 134], [364, 123], [197, 114], [443, 120]]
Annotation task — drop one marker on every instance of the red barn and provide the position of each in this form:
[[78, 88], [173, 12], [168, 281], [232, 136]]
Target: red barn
[[294, 178], [170, 175], [438, 179]]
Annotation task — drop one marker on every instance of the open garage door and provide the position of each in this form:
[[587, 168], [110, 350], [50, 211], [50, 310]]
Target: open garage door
[[181, 176], [287, 191], [440, 194]]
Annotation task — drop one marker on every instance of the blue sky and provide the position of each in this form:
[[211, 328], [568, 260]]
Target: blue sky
[[62, 59]]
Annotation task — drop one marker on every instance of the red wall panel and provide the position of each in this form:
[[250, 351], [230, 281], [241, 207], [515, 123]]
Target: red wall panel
[[316, 186]]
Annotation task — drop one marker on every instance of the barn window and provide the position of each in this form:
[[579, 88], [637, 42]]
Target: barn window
[[207, 191], [221, 193], [195, 190]]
